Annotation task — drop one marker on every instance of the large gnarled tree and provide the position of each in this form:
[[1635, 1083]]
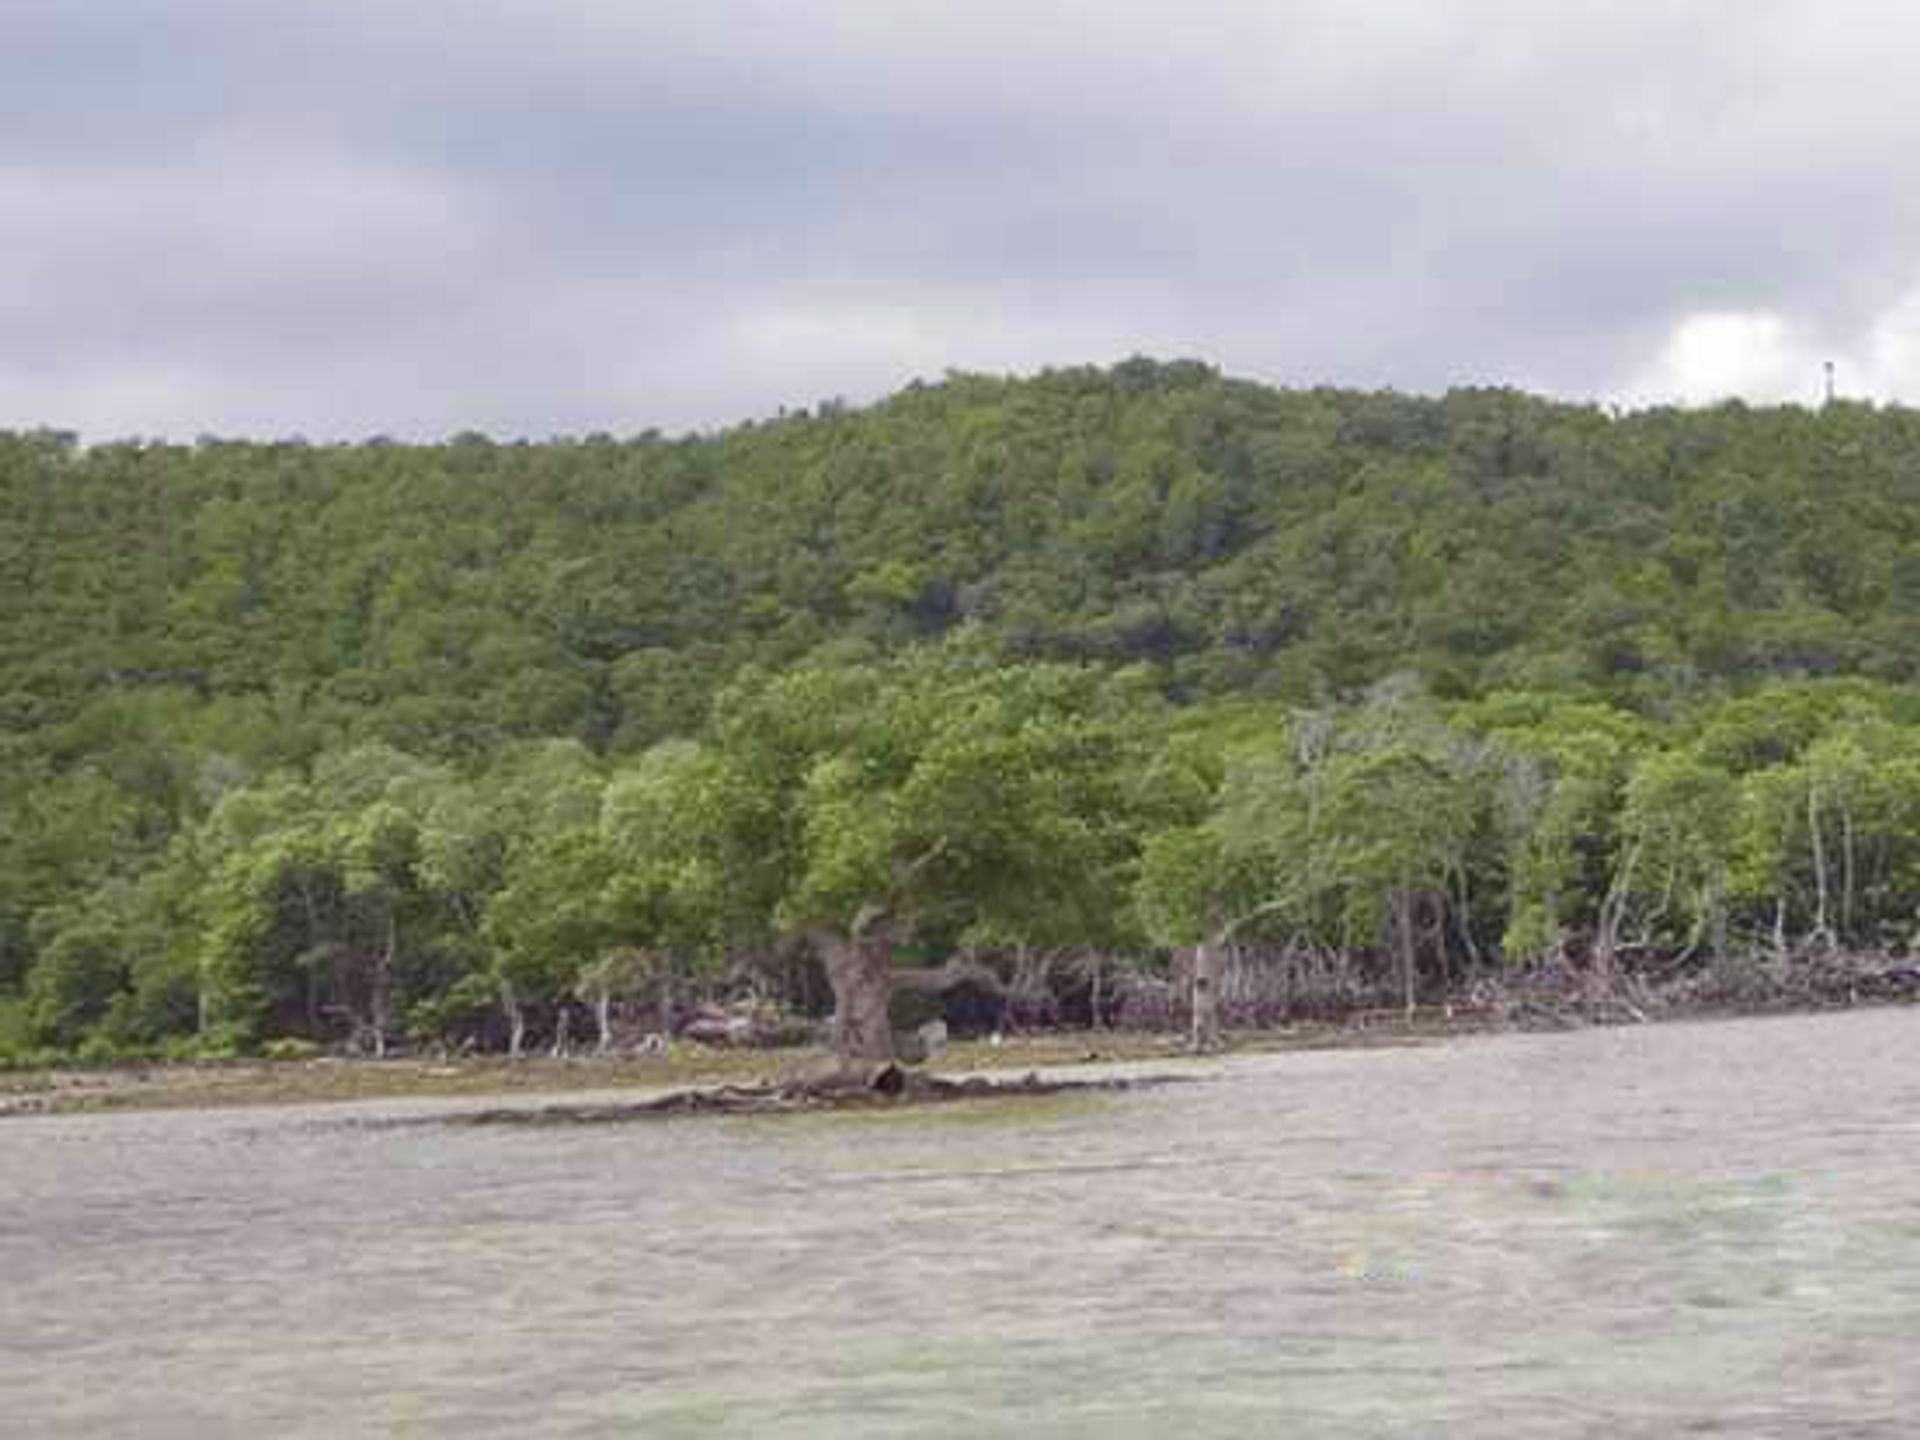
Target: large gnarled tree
[[867, 807]]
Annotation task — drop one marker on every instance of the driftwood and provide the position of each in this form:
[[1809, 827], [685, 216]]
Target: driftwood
[[1816, 979], [857, 1087], [1559, 997]]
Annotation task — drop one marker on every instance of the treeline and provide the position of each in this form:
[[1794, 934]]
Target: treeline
[[443, 743], [830, 821]]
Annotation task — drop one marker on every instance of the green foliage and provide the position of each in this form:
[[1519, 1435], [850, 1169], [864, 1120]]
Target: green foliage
[[1181, 873], [550, 919], [1559, 771], [16, 1032], [941, 792], [1677, 828], [323, 741], [74, 981]]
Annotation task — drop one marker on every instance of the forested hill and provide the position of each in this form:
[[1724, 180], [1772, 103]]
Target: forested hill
[[1232, 536], [180, 620]]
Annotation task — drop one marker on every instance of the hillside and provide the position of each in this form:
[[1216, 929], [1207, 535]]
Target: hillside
[[1234, 537], [177, 622]]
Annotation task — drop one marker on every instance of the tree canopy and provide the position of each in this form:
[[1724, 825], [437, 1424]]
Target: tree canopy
[[372, 743]]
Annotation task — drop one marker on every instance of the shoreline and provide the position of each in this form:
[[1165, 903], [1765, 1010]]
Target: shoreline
[[691, 1067]]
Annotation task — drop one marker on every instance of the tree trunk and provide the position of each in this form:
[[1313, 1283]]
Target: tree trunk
[[603, 1020], [516, 1020], [382, 1002], [1846, 869], [1719, 921], [860, 970], [313, 944], [1613, 911], [1822, 933], [1403, 903], [1436, 907], [1209, 968], [1457, 903]]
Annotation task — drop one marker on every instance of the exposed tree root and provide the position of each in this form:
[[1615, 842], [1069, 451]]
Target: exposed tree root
[[868, 1087]]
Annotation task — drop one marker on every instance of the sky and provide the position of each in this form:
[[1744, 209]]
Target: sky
[[345, 218]]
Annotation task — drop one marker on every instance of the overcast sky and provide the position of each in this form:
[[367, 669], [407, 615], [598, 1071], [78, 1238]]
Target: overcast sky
[[340, 218]]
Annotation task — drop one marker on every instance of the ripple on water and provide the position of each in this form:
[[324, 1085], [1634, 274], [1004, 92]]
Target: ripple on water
[[1676, 1229]]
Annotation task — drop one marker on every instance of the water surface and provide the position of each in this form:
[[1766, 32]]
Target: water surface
[[1706, 1229]]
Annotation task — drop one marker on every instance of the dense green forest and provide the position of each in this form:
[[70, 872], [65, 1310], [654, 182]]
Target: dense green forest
[[1084, 678]]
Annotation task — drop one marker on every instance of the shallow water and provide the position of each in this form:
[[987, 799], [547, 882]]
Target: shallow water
[[1709, 1229]]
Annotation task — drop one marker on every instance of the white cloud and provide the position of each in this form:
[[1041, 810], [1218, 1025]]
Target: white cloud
[[1728, 355], [1763, 357], [1890, 358], [543, 215]]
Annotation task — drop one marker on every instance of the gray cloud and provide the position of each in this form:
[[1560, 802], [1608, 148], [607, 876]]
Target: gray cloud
[[258, 216]]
